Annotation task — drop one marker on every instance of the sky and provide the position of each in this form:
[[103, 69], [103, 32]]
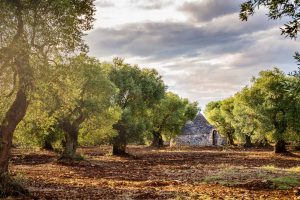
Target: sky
[[200, 47]]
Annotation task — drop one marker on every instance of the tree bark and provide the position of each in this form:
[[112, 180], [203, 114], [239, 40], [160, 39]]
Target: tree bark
[[71, 144], [157, 140], [248, 142], [230, 140], [280, 146], [71, 130], [17, 110], [12, 118], [71, 140], [47, 144], [119, 141]]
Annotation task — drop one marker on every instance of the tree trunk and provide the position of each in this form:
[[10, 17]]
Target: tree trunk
[[12, 118], [71, 141], [18, 109], [230, 140], [157, 140], [280, 147], [248, 142], [119, 141], [47, 145], [71, 130], [263, 143], [71, 145], [23, 75]]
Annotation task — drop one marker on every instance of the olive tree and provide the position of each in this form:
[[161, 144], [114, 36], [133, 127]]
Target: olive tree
[[275, 106], [169, 116], [138, 90], [32, 32], [219, 114], [81, 93]]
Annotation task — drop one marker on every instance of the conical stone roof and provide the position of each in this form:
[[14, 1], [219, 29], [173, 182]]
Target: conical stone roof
[[198, 126]]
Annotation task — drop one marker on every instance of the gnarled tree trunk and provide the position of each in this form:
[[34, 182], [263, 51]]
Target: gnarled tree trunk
[[23, 73], [280, 146], [119, 141], [248, 142], [47, 144], [14, 115], [71, 131], [18, 60], [71, 144], [157, 140], [230, 140], [17, 110], [12, 118]]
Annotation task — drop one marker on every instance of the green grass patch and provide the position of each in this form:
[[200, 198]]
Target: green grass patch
[[277, 178], [285, 182]]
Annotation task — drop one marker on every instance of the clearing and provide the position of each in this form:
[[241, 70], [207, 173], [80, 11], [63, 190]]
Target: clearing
[[170, 173]]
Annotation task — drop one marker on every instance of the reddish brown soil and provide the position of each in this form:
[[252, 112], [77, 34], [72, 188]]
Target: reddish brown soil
[[148, 174]]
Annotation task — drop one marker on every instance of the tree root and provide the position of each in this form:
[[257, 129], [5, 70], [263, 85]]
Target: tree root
[[11, 187]]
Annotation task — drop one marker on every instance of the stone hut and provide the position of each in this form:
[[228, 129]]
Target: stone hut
[[198, 132]]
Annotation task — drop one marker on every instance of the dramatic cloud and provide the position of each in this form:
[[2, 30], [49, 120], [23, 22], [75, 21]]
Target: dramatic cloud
[[170, 39], [207, 10], [208, 58], [151, 4]]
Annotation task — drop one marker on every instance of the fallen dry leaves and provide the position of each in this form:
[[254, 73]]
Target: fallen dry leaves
[[149, 174]]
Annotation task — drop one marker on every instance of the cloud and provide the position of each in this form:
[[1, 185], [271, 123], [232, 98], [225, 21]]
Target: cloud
[[104, 3], [207, 10], [151, 4], [165, 40], [202, 61]]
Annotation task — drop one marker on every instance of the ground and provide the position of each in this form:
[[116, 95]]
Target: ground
[[170, 173]]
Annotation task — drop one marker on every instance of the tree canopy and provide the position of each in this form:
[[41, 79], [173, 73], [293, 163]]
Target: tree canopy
[[169, 116], [266, 110], [138, 90]]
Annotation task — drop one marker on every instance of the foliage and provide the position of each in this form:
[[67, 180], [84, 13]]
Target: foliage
[[82, 87], [138, 90], [41, 30], [246, 121], [98, 129], [276, 105], [219, 113], [81, 95], [32, 34], [277, 10], [269, 109], [170, 114]]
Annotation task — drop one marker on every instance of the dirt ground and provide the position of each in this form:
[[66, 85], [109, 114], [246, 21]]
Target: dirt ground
[[185, 173]]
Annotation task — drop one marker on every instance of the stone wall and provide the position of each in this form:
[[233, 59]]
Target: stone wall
[[198, 140], [198, 133], [190, 140]]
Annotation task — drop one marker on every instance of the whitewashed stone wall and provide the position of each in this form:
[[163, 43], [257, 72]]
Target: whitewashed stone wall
[[198, 133]]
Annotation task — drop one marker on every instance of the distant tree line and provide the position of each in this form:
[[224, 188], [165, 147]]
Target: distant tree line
[[266, 111]]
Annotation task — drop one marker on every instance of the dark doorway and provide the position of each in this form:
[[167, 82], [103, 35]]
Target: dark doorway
[[214, 138]]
